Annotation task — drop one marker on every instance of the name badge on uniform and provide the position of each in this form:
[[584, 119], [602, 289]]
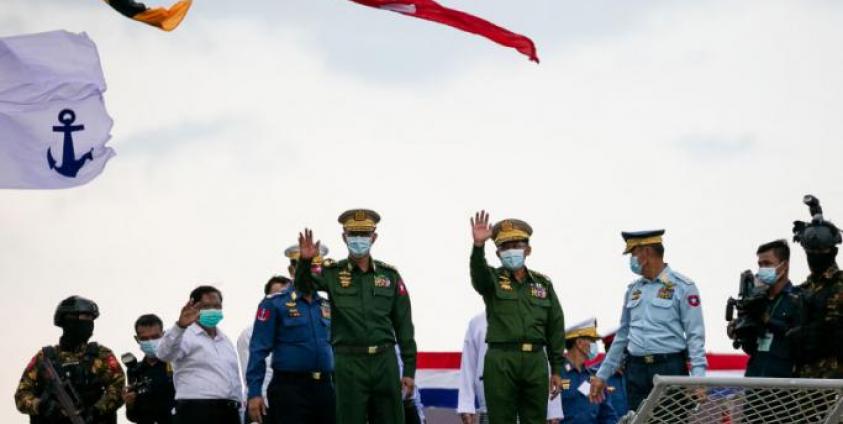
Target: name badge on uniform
[[383, 282], [765, 341], [294, 313], [585, 388], [345, 279]]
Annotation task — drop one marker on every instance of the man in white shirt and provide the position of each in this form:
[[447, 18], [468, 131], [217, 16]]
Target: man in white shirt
[[276, 284], [471, 373], [205, 369]]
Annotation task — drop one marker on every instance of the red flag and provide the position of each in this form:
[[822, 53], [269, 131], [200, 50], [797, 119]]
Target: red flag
[[432, 11]]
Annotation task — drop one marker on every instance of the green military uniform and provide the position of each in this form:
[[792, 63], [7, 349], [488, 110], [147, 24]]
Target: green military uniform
[[822, 343], [100, 384], [526, 328], [370, 313]]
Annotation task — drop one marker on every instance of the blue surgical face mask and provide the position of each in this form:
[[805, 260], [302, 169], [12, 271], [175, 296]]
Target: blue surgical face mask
[[767, 275], [512, 259], [210, 317], [634, 265], [148, 347], [593, 350], [358, 246]]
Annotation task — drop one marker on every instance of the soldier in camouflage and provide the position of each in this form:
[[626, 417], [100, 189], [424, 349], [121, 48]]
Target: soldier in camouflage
[[91, 369], [820, 335]]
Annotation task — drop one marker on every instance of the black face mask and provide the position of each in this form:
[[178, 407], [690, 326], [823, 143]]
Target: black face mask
[[76, 332], [819, 263]]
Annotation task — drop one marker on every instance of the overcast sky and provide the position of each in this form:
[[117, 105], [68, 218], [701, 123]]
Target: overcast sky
[[256, 118]]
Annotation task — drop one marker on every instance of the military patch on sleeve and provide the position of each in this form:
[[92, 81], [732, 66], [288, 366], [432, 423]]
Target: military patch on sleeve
[[693, 301], [112, 363], [263, 315], [402, 289]]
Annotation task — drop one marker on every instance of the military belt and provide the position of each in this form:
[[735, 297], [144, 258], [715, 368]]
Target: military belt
[[210, 403], [658, 358], [517, 346], [364, 350], [304, 376]]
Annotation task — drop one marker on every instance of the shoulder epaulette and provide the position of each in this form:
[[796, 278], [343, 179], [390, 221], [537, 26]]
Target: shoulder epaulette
[[385, 265], [329, 263], [542, 276], [680, 278], [272, 295]]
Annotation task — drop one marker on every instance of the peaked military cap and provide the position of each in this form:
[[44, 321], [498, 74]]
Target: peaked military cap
[[587, 328], [293, 253], [511, 230], [359, 220], [634, 239]]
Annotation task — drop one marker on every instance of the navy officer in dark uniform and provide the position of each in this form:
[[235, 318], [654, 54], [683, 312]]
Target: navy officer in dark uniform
[[581, 346], [295, 328]]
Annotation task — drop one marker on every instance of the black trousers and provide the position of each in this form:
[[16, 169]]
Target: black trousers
[[211, 411], [301, 401], [411, 413], [640, 373]]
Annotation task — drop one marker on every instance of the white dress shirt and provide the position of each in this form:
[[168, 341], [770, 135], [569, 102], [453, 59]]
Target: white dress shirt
[[203, 367], [243, 353], [471, 369]]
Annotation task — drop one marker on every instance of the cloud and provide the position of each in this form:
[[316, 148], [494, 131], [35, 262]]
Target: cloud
[[715, 146]]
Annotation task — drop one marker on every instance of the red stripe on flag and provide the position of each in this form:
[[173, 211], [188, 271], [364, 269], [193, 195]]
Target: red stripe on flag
[[451, 360], [439, 360], [433, 11]]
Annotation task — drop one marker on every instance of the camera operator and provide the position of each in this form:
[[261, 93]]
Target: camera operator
[[770, 354], [150, 395]]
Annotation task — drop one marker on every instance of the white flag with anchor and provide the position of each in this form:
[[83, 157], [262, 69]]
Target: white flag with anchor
[[53, 122]]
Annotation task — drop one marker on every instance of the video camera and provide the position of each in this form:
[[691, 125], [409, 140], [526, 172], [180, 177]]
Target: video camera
[[751, 306], [137, 384]]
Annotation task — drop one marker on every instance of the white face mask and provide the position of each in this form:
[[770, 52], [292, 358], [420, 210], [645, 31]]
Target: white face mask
[[512, 259]]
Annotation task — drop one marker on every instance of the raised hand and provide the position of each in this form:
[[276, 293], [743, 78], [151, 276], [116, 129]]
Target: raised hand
[[307, 249], [481, 230], [189, 314]]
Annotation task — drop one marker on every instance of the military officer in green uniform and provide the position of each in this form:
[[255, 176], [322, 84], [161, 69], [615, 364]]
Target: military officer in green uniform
[[371, 313], [526, 325], [91, 369]]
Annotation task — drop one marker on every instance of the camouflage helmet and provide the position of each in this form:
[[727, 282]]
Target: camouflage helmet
[[75, 305], [818, 234]]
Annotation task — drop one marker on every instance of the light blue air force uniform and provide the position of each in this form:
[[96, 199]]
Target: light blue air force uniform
[[660, 316]]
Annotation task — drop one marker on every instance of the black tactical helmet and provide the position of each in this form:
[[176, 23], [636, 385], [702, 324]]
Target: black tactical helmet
[[75, 305], [818, 234]]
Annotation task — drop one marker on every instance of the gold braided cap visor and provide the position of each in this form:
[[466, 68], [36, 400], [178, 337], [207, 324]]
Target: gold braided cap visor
[[635, 242]]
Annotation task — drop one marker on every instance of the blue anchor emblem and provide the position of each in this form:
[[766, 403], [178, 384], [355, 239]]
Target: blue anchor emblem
[[70, 166]]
